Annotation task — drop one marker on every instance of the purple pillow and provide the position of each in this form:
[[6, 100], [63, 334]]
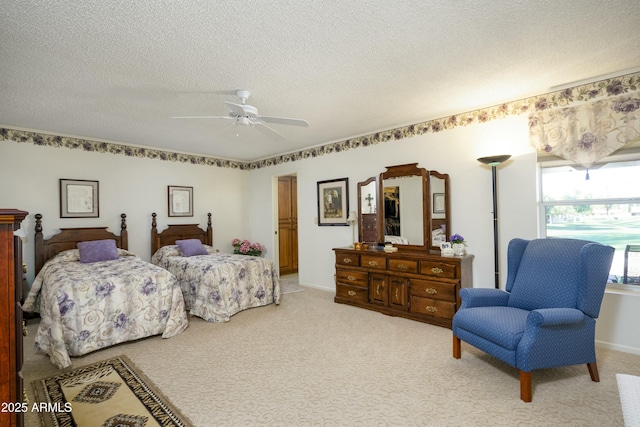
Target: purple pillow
[[191, 247], [98, 250]]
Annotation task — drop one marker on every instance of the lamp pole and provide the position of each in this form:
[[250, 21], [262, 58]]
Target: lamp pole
[[494, 161]]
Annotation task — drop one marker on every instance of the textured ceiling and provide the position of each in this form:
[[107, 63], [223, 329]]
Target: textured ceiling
[[119, 70]]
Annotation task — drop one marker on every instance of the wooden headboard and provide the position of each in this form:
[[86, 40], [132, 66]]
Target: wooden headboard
[[68, 238], [179, 232]]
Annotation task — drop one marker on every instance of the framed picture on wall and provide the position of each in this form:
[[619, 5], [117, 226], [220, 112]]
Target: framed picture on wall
[[333, 202], [79, 199], [180, 201]]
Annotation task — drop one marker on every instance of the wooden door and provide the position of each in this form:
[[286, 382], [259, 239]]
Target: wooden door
[[288, 224]]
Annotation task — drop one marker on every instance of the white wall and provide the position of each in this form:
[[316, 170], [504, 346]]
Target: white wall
[[453, 152], [130, 185]]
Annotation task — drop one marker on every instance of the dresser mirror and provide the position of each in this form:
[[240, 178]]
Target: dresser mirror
[[440, 226], [368, 210], [404, 205], [411, 208]]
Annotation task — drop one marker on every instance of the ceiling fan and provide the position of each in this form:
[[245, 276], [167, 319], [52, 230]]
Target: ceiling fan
[[244, 114]]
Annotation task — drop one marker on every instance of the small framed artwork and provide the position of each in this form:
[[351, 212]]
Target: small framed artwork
[[79, 199], [180, 201], [438, 203], [333, 202]]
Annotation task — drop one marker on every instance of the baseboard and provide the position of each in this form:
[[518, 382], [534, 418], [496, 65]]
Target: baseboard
[[617, 347]]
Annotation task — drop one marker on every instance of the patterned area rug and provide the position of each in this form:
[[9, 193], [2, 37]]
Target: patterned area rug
[[108, 393]]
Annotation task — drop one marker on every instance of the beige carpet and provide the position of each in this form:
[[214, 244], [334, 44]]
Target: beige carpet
[[312, 362]]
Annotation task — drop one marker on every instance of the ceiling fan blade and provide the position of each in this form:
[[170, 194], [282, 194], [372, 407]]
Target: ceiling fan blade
[[267, 130], [203, 117], [284, 121]]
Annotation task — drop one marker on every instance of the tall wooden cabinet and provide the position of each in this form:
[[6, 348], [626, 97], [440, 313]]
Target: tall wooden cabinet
[[416, 285], [288, 224], [11, 356]]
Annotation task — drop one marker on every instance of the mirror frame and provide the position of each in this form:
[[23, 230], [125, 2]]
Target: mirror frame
[[410, 169], [447, 208], [362, 184]]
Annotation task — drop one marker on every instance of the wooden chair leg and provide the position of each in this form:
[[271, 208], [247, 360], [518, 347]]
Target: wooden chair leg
[[525, 386], [593, 371], [457, 352]]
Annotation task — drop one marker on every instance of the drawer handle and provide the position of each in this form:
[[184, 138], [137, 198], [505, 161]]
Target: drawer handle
[[402, 267], [347, 260], [436, 270], [431, 291], [373, 263], [431, 309], [351, 278], [352, 293]]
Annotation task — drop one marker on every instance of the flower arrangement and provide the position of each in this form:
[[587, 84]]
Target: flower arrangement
[[245, 247], [456, 238]]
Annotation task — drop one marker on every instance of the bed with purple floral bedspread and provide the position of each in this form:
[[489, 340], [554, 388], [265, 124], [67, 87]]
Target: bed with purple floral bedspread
[[89, 306], [218, 285]]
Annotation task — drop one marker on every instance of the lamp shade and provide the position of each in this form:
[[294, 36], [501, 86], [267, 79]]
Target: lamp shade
[[494, 160], [352, 217]]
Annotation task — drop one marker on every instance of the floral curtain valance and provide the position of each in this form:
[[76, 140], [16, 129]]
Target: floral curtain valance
[[586, 133]]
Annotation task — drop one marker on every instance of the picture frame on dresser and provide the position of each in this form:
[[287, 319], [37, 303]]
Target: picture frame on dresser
[[79, 198], [333, 202], [180, 200]]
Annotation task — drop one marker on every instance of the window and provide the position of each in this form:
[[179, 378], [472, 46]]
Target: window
[[601, 204]]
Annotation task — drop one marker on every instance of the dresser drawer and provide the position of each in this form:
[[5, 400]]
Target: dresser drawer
[[432, 289], [403, 265], [373, 261], [433, 307], [440, 269], [351, 292], [350, 277], [343, 258]]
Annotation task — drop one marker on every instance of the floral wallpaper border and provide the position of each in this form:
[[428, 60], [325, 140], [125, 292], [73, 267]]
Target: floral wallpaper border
[[603, 88]]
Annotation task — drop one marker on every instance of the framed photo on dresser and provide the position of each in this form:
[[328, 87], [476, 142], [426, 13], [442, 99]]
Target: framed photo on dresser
[[79, 199]]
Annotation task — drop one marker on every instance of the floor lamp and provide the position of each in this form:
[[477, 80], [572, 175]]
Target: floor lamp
[[494, 161]]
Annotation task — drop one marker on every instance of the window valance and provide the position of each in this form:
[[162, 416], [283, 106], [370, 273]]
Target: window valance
[[588, 132]]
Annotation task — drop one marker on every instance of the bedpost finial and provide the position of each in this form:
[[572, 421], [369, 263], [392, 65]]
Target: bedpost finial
[[38, 223], [153, 220], [123, 221], [209, 218]]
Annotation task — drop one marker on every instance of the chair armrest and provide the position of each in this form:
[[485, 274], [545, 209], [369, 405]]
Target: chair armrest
[[554, 317], [483, 297]]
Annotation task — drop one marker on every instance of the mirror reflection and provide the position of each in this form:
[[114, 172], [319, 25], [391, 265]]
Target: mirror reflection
[[368, 211], [439, 188], [403, 216]]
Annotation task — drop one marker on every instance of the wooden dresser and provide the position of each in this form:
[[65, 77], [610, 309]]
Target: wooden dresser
[[416, 285], [11, 356]]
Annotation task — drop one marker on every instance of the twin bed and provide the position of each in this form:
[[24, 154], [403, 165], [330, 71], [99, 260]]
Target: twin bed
[[215, 285], [92, 293]]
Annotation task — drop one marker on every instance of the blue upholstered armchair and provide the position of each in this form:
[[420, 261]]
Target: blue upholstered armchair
[[546, 318]]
